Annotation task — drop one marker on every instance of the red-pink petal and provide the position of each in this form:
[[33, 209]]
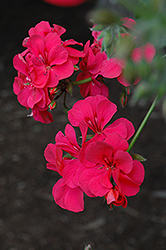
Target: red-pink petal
[[57, 55], [149, 51], [128, 125], [117, 142], [97, 151], [49, 153], [68, 143], [138, 173], [127, 186], [105, 111], [128, 22], [36, 46], [42, 116], [111, 68], [68, 198], [64, 70], [20, 64], [124, 161]]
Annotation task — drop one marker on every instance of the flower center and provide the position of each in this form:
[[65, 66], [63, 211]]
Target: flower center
[[108, 163]]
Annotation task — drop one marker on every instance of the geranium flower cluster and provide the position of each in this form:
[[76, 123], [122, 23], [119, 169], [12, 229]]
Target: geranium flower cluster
[[100, 166], [96, 66], [46, 64], [45, 61]]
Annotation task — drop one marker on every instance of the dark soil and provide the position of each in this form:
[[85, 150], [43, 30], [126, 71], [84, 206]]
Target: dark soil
[[29, 218]]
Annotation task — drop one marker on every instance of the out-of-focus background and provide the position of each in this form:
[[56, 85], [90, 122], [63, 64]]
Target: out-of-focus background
[[29, 218]]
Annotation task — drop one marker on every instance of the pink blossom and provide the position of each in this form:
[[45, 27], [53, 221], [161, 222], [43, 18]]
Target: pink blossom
[[147, 53], [68, 143], [43, 29], [97, 43], [112, 162], [96, 112], [45, 62], [43, 116], [114, 197], [93, 87], [128, 22], [67, 197], [28, 95], [94, 64], [73, 54], [100, 166], [50, 60]]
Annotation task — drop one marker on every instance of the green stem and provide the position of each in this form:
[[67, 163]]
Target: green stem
[[142, 125], [82, 81]]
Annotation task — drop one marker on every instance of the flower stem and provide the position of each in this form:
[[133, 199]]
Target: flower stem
[[142, 125], [82, 81]]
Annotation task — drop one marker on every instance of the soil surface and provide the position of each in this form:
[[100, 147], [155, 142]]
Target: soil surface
[[29, 218]]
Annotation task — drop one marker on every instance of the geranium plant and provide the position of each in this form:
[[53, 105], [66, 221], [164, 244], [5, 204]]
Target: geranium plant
[[99, 164]]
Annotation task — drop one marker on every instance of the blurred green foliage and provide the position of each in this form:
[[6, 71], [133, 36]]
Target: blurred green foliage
[[150, 16]]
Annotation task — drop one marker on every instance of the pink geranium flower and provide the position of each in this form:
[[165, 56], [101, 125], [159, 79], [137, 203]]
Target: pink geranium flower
[[68, 166], [95, 64], [94, 87], [96, 112], [147, 53], [43, 29], [28, 95], [50, 60], [100, 166], [43, 116], [45, 62], [128, 22], [112, 162], [66, 196]]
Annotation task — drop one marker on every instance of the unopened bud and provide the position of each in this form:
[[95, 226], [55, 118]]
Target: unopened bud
[[88, 247], [52, 105], [53, 91], [69, 88], [123, 99], [76, 68], [138, 157]]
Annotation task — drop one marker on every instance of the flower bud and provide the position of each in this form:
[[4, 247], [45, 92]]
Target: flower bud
[[123, 99], [69, 88], [88, 247], [138, 157], [53, 91], [52, 105]]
